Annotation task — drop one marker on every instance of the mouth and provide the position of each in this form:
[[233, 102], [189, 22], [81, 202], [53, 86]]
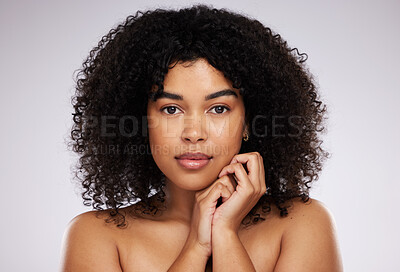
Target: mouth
[[193, 160]]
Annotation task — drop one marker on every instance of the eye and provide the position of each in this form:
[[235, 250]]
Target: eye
[[170, 110], [220, 109]]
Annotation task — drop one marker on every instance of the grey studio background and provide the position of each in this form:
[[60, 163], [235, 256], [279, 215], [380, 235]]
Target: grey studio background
[[353, 49]]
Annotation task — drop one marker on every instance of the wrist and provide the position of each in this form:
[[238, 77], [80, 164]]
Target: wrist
[[191, 258], [224, 229], [223, 233], [197, 250]]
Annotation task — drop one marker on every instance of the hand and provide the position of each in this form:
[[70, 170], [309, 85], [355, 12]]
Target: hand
[[203, 212], [250, 187], [206, 216]]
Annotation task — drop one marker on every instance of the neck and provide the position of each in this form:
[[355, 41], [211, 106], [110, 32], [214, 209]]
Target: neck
[[179, 202]]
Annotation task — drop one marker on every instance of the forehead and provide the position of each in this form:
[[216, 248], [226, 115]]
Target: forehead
[[200, 71], [196, 79], [176, 96]]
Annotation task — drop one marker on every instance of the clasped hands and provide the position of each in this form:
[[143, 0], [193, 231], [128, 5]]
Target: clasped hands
[[240, 191]]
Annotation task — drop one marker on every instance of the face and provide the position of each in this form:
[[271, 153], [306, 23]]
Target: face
[[199, 111]]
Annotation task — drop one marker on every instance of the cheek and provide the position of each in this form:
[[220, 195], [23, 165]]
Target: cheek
[[227, 131], [163, 140], [226, 141], [162, 129]]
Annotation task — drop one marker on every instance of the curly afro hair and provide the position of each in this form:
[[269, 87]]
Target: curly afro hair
[[283, 109]]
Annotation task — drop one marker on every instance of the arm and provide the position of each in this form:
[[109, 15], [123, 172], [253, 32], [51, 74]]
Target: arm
[[309, 241], [191, 259], [197, 249], [229, 253], [87, 247]]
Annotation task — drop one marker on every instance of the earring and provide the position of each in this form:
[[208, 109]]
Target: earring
[[246, 137]]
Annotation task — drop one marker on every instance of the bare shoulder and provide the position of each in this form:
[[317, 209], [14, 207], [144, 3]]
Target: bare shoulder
[[309, 240], [312, 211], [89, 244]]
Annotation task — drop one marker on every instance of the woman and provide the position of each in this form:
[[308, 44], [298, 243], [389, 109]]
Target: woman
[[197, 131]]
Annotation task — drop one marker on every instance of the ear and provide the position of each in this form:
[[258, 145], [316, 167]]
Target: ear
[[246, 129]]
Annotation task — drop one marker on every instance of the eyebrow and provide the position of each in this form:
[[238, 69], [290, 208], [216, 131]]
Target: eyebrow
[[167, 94]]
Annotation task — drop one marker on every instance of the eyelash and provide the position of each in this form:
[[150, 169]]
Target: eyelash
[[225, 107]]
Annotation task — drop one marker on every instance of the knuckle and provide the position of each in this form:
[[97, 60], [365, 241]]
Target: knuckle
[[255, 155], [251, 190], [226, 167], [224, 179], [264, 191]]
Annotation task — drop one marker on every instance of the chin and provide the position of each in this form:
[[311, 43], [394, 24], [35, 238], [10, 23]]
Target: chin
[[192, 182]]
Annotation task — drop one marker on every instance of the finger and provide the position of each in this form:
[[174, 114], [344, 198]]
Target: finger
[[229, 182], [251, 160], [253, 166], [263, 187], [200, 195], [241, 175], [219, 190], [204, 192], [225, 194]]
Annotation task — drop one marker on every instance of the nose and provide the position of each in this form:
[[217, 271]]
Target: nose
[[194, 129]]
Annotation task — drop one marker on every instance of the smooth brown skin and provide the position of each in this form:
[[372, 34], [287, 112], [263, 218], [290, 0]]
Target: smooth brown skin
[[181, 237]]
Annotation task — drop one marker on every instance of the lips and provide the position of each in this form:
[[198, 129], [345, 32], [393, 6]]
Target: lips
[[193, 160], [194, 156]]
